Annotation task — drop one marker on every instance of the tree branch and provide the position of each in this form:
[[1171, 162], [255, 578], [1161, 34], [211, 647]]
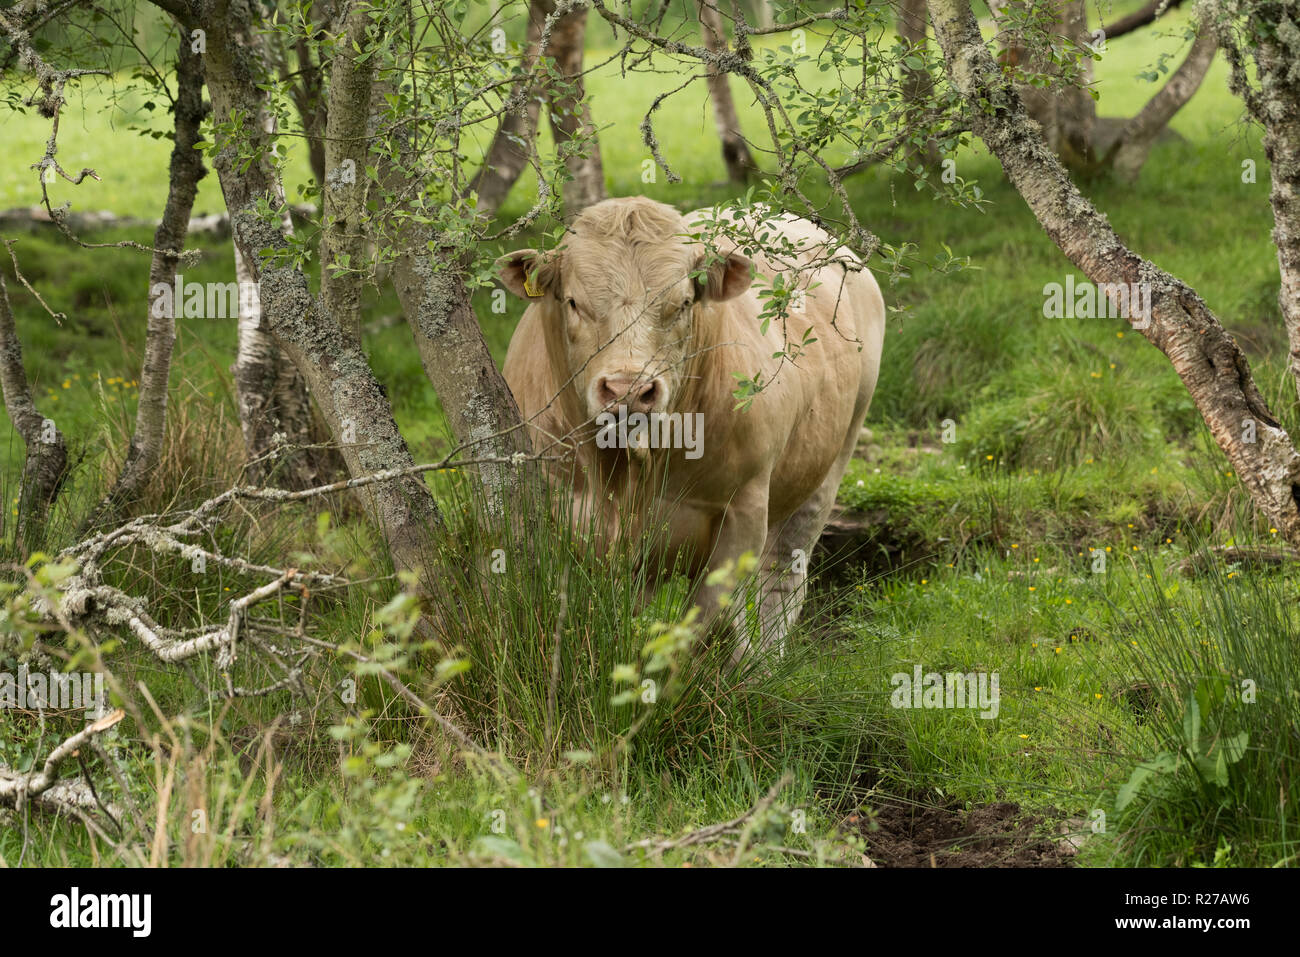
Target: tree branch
[[1206, 358]]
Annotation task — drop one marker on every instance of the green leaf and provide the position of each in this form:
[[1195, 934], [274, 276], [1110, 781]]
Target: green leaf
[[1192, 726], [1234, 748], [1129, 790], [1213, 770], [491, 844], [602, 854], [1210, 690], [1162, 763], [1221, 770], [449, 668]]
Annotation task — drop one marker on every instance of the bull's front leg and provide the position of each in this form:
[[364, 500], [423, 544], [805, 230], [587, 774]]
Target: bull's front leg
[[742, 528]]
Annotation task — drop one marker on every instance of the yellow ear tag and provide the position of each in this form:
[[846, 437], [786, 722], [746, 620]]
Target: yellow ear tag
[[529, 289]]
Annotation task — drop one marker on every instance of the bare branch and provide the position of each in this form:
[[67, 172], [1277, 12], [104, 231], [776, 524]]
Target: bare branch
[[17, 788]]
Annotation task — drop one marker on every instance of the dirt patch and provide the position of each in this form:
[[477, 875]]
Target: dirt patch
[[857, 542], [990, 835]]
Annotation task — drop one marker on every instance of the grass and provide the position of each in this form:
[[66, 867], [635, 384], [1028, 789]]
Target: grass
[[1009, 454]]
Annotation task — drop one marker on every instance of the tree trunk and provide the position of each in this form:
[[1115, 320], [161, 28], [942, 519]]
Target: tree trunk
[[1066, 114], [333, 365], [479, 405], [284, 442], [735, 151], [1275, 104], [457, 362], [46, 460], [184, 173], [1130, 152], [912, 22], [344, 240], [1282, 146], [304, 80], [512, 144], [1076, 110], [275, 411], [352, 400], [570, 115], [1205, 357], [309, 100], [1040, 104]]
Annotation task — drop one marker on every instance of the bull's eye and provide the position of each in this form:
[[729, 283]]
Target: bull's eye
[[573, 305]]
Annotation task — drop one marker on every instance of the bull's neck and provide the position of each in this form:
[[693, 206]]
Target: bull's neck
[[702, 369], [567, 399]]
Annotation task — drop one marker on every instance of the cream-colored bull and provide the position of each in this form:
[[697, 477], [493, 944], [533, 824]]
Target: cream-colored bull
[[616, 320]]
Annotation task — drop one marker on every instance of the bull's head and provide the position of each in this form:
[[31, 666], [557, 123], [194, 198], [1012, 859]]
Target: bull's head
[[620, 301]]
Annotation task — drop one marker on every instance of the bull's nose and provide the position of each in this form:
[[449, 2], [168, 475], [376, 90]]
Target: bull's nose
[[639, 395]]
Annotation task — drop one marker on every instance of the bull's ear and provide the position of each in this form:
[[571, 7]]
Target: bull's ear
[[724, 278], [527, 273]]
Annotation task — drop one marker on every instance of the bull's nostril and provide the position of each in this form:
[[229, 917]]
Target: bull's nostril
[[637, 395], [603, 392]]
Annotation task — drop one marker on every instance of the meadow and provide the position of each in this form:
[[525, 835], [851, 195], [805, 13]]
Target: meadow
[[1040, 496]]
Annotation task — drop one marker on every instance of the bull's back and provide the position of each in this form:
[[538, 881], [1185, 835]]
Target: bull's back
[[813, 406]]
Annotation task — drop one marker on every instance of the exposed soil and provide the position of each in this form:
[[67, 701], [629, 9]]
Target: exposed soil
[[854, 541], [991, 835]]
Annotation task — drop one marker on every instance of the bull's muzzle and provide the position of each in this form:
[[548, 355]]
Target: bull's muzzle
[[638, 394]]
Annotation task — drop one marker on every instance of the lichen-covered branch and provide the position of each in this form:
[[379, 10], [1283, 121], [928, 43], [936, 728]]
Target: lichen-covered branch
[[1269, 33], [1139, 134], [46, 461], [185, 171], [44, 787], [1206, 358]]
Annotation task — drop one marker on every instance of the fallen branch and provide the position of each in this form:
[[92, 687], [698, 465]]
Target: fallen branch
[[46, 789], [1248, 556], [733, 831]]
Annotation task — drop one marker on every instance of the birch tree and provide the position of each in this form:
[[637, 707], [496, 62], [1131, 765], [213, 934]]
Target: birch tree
[[45, 461], [1265, 36], [183, 175], [553, 51], [735, 151], [1204, 355]]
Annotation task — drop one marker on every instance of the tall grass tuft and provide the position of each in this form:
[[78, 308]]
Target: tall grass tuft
[[1214, 681], [563, 650]]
